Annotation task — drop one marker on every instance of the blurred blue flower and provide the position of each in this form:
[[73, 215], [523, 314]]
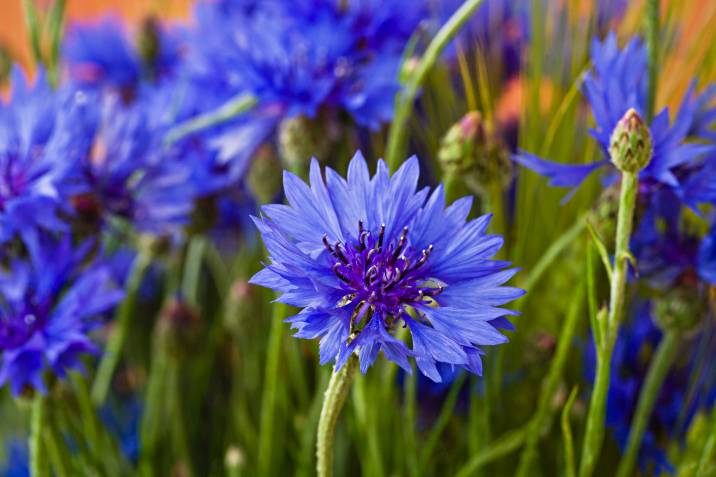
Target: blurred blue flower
[[364, 256], [305, 55], [131, 173], [618, 83], [48, 302], [17, 459], [122, 418], [40, 144], [689, 387], [101, 54]]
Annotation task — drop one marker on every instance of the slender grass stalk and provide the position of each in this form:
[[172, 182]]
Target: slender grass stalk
[[707, 462], [569, 465], [34, 29], [501, 447], [594, 434], [651, 27], [446, 413], [658, 369], [308, 435], [405, 99], [333, 400], [237, 105], [411, 415], [55, 27], [39, 466], [56, 451], [268, 398], [544, 413], [372, 459], [191, 276], [115, 345]]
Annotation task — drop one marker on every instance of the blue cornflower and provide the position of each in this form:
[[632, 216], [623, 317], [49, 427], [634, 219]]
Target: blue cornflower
[[40, 145], [298, 57], [689, 387], [131, 173], [618, 83], [48, 302], [101, 54], [364, 256]]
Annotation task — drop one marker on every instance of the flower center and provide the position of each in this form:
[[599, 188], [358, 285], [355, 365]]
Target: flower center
[[382, 277]]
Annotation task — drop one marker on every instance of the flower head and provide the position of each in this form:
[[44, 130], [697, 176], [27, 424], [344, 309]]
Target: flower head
[[618, 84], [40, 144], [364, 256], [305, 55], [48, 302], [102, 55]]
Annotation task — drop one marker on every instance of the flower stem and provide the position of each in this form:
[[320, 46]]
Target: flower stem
[[499, 448], [406, 98], [333, 400], [110, 359], [549, 388], [235, 106], [594, 434], [38, 453], [268, 398], [652, 44], [658, 369]]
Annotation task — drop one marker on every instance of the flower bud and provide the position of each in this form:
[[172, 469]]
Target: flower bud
[[300, 138], [180, 327], [683, 309], [473, 150], [265, 175], [631, 146]]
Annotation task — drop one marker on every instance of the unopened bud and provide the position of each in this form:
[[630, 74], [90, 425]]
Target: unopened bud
[[265, 175], [180, 326], [301, 138], [682, 310], [473, 150], [631, 146]]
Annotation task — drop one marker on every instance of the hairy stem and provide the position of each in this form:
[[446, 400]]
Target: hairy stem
[[594, 434], [333, 400]]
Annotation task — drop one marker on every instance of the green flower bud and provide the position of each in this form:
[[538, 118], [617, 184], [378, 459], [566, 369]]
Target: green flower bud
[[683, 309], [473, 150], [301, 138], [631, 146], [149, 44], [180, 328], [265, 174]]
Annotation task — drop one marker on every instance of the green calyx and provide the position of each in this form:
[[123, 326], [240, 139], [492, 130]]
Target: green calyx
[[631, 147]]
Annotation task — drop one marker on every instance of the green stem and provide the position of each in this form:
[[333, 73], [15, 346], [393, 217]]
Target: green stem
[[502, 447], [110, 359], [235, 106], [34, 30], [268, 398], [570, 469], [192, 269], [406, 98], [56, 452], [333, 400], [594, 434], [708, 454], [38, 453], [411, 416], [652, 44], [544, 413], [658, 369]]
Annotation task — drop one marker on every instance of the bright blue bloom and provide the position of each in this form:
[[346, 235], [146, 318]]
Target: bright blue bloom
[[688, 388], [49, 300], [359, 255], [17, 459], [101, 55], [39, 148], [305, 55], [131, 173], [618, 83]]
